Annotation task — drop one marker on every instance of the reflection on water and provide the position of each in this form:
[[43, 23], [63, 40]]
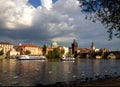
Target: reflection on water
[[32, 72]]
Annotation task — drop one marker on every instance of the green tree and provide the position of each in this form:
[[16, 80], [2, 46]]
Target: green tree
[[27, 52], [1, 52], [49, 55], [106, 11], [55, 54]]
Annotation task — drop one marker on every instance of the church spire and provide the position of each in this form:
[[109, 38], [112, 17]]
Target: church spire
[[92, 46]]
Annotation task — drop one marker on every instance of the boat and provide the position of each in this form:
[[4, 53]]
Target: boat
[[111, 56], [98, 57], [23, 57], [68, 59], [27, 57]]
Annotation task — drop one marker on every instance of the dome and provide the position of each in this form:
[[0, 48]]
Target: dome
[[54, 44]]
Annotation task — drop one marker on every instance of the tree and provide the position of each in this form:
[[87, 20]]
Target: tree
[[50, 55], [1, 52], [55, 54], [106, 11], [27, 52]]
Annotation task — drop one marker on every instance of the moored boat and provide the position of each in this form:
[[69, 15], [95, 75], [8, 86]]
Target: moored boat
[[98, 57], [23, 57], [111, 56], [68, 59], [26, 57]]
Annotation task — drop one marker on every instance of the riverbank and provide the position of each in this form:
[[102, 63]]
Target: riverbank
[[115, 82]]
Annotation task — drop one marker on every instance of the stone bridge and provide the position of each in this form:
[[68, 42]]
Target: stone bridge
[[93, 55]]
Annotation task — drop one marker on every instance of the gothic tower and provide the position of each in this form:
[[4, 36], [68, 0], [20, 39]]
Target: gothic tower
[[74, 47]]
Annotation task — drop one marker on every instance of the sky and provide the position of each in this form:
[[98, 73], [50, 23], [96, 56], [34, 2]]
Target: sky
[[40, 22]]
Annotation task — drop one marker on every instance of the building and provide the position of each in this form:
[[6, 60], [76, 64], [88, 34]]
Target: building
[[83, 50], [12, 53], [74, 46], [6, 46], [34, 50], [1, 48], [47, 49], [64, 50]]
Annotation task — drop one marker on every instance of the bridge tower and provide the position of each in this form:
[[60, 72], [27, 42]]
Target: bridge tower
[[74, 47]]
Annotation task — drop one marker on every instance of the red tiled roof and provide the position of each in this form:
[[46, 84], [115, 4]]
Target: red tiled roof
[[28, 45]]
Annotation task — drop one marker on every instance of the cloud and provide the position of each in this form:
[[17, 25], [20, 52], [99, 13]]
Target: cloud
[[15, 13], [47, 4], [20, 22]]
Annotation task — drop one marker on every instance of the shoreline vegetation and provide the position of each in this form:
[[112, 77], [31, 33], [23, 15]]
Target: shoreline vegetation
[[106, 82]]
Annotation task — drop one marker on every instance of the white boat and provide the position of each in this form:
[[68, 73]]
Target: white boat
[[23, 57], [26, 57], [111, 56], [68, 59], [98, 57], [41, 57]]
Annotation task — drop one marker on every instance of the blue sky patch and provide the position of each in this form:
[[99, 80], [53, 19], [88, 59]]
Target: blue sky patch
[[37, 3]]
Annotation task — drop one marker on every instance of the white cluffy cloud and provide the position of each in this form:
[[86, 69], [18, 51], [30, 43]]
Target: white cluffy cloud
[[16, 13], [47, 4]]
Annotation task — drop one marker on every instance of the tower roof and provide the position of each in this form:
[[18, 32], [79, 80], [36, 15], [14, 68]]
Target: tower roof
[[54, 44]]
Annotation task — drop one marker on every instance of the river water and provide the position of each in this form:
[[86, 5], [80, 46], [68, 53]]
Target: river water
[[32, 72]]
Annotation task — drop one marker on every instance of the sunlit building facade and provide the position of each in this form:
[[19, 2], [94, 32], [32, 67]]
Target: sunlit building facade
[[6, 46], [34, 50], [64, 50]]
